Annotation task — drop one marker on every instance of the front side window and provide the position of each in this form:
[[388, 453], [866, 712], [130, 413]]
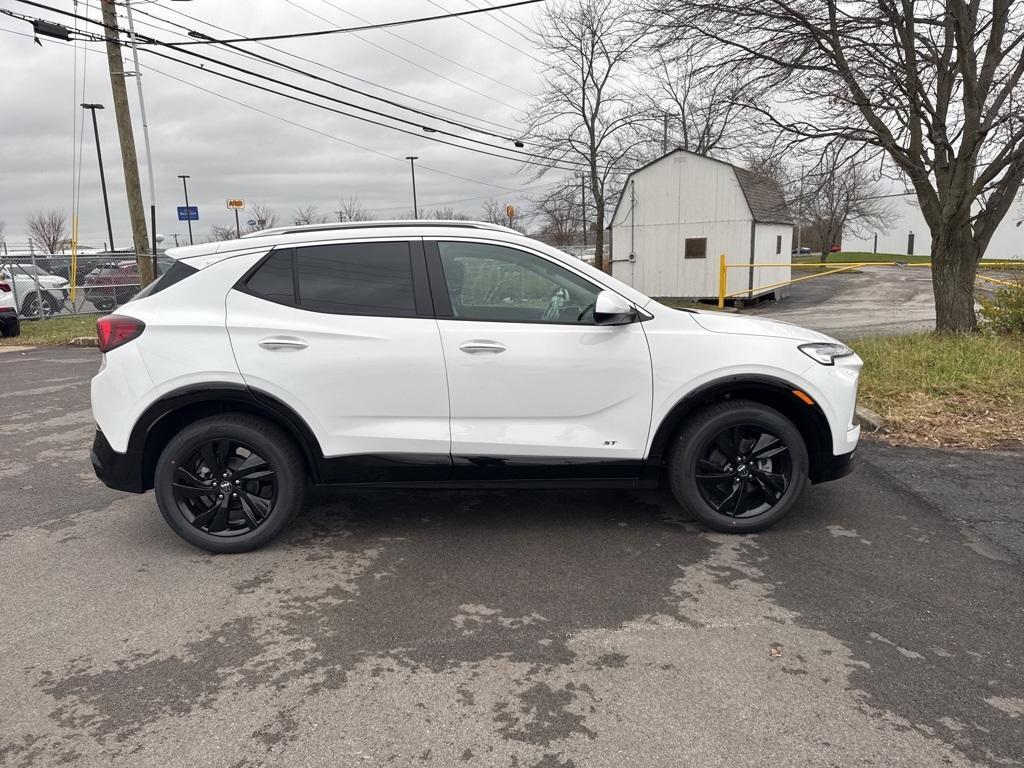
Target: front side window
[[498, 284]]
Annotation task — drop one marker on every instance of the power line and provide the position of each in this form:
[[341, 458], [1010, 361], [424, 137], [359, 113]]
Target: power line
[[430, 51], [517, 156], [509, 16], [481, 29], [348, 75], [365, 27]]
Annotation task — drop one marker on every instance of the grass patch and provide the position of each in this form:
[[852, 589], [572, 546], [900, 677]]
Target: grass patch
[[955, 392], [846, 257], [52, 331]]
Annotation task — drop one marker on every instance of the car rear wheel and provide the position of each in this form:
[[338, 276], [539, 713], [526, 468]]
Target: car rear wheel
[[229, 483], [738, 466]]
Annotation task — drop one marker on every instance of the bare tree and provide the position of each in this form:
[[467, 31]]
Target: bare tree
[[352, 209], [308, 214], [48, 230], [839, 193], [449, 213], [585, 114], [497, 213], [693, 103], [934, 87], [558, 214], [219, 232], [264, 216]]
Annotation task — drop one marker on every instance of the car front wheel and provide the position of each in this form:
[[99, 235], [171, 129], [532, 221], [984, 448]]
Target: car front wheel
[[738, 466], [229, 483]]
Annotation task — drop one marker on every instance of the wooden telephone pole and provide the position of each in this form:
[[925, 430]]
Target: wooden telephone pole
[[129, 159]]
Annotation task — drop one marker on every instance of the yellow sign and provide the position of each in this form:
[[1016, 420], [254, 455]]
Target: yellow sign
[[236, 205], [510, 211]]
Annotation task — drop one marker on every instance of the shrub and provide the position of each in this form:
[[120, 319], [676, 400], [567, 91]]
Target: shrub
[[1004, 312]]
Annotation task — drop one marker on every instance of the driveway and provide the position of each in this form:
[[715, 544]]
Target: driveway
[[877, 625]]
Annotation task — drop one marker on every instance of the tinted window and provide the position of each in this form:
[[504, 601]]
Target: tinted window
[[178, 271], [356, 279], [494, 283], [273, 280]]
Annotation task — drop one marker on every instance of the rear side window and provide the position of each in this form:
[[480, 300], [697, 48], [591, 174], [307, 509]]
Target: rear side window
[[356, 279], [178, 271], [273, 280], [345, 279]]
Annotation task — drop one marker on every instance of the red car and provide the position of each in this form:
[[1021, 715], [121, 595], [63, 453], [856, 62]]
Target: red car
[[114, 283]]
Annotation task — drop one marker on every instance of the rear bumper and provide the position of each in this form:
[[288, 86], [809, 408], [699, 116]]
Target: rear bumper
[[120, 471]]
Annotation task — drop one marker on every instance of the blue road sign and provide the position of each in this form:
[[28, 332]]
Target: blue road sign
[[251, 222], [189, 213]]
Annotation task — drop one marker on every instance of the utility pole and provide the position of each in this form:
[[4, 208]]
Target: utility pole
[[145, 129], [103, 179], [799, 212], [129, 159], [583, 205], [412, 165], [188, 217]]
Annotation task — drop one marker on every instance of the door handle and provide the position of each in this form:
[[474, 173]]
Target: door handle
[[283, 343], [476, 347]]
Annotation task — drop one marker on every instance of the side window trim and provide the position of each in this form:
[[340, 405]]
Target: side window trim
[[438, 286]]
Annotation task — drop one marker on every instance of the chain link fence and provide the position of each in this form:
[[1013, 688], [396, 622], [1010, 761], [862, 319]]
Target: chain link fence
[[49, 285]]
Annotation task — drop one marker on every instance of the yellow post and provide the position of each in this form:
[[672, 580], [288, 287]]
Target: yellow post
[[721, 281]]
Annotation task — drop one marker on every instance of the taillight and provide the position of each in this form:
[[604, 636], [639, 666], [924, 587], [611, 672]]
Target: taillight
[[5, 287], [115, 330]]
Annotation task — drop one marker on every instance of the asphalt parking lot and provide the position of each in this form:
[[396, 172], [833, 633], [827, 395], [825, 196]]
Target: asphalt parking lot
[[881, 624]]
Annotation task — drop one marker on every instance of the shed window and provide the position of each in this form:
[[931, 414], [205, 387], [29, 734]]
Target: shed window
[[696, 248], [778, 244]]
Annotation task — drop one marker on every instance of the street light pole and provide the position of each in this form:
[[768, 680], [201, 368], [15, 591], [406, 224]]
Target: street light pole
[[103, 179], [412, 165], [188, 216], [583, 206]]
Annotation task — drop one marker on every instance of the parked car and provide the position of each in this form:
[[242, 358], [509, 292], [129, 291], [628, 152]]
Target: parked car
[[24, 279], [114, 283], [9, 324], [803, 250], [835, 248], [449, 354]]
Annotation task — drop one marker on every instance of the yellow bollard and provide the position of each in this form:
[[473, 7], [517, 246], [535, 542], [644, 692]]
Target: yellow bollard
[[721, 281]]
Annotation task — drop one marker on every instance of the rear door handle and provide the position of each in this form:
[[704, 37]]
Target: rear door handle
[[477, 347], [283, 342]]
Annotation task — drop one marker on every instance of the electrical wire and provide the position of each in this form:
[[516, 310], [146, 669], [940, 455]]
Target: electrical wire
[[340, 72], [509, 16], [526, 158], [366, 27], [493, 37]]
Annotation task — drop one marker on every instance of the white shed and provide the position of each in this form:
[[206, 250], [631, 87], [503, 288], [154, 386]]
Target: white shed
[[678, 213]]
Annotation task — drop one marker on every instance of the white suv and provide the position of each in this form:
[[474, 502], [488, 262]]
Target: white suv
[[451, 354]]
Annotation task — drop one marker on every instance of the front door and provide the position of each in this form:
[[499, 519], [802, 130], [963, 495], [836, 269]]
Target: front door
[[344, 334], [537, 389]]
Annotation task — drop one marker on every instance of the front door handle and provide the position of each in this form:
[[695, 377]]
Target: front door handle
[[283, 342], [477, 347]]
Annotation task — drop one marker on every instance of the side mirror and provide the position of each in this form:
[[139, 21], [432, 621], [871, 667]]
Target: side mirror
[[612, 309]]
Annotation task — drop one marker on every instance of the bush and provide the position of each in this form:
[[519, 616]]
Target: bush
[[1004, 312]]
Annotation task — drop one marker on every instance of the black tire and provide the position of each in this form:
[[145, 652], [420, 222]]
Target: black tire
[[10, 327], [103, 305], [742, 496], [30, 306], [195, 456]]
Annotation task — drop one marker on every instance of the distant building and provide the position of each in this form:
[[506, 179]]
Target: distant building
[[678, 213], [908, 234]]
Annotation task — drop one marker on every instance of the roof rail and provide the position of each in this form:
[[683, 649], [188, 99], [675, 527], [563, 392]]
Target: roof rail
[[449, 223]]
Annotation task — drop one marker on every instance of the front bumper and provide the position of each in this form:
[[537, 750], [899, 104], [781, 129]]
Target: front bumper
[[120, 471], [832, 467]]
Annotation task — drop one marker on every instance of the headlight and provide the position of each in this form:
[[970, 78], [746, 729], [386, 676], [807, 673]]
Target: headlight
[[825, 352]]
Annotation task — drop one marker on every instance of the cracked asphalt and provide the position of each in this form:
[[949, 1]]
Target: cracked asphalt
[[881, 624]]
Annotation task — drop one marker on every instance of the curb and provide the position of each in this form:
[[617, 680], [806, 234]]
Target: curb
[[869, 419], [84, 341]]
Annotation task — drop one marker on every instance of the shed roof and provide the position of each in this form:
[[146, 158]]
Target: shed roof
[[763, 194]]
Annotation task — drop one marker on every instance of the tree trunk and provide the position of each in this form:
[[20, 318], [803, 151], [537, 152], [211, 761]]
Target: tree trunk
[[955, 258], [599, 242]]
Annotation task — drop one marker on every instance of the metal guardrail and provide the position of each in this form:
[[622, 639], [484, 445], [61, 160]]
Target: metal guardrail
[[832, 269]]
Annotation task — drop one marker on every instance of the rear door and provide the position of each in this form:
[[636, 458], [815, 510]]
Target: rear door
[[537, 389], [344, 335]]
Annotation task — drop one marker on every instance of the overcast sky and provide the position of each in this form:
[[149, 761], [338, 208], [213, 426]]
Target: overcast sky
[[230, 150]]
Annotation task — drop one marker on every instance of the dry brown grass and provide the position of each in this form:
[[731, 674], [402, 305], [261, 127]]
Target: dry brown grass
[[954, 392]]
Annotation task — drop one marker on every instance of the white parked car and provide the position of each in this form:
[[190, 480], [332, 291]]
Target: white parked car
[[9, 325], [32, 284], [450, 354]]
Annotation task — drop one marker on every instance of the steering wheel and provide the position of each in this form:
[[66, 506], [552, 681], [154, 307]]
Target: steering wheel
[[588, 308]]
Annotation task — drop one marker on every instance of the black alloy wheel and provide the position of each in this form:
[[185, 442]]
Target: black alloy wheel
[[738, 466], [744, 471], [225, 488]]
